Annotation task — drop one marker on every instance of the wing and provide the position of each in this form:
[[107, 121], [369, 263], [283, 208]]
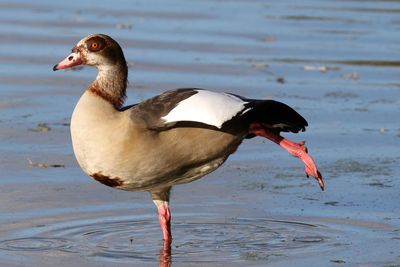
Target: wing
[[189, 105], [204, 108]]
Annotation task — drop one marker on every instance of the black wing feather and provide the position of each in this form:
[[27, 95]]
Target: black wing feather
[[275, 115]]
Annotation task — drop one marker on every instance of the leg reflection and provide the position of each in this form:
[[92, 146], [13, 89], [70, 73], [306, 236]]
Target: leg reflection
[[165, 254]]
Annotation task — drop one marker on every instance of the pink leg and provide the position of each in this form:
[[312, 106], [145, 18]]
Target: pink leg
[[164, 218], [296, 149]]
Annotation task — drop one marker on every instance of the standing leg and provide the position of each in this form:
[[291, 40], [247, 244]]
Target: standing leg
[[164, 218], [296, 149], [161, 200]]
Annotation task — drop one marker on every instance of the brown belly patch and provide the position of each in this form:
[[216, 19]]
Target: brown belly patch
[[106, 180]]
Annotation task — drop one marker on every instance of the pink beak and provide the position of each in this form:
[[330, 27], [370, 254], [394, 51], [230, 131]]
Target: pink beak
[[71, 60]]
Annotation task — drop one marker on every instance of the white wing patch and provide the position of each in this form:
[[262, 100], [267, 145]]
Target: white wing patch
[[207, 107]]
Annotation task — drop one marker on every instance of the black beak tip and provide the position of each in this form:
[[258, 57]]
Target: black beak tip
[[55, 67]]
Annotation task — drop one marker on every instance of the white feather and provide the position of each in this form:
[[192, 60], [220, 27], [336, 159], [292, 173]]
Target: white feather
[[207, 107]]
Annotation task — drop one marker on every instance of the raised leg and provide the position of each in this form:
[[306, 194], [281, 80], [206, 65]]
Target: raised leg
[[296, 149]]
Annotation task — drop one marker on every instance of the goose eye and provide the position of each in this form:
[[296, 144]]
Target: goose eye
[[95, 44]]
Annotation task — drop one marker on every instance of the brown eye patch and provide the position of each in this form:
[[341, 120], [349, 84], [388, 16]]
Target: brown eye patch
[[95, 44]]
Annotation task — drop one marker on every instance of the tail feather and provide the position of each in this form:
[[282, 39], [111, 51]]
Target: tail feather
[[275, 116]]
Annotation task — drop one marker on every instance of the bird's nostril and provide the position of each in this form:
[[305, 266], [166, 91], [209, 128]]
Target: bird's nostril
[[70, 58]]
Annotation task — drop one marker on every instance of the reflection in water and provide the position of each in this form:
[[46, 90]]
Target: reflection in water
[[165, 255]]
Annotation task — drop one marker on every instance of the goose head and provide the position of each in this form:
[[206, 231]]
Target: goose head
[[98, 50]]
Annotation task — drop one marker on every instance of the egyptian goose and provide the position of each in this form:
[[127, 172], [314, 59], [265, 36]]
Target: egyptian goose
[[173, 138]]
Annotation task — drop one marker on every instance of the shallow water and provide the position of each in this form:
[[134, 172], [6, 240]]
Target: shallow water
[[336, 62]]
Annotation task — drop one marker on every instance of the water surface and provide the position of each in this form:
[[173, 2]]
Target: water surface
[[336, 62]]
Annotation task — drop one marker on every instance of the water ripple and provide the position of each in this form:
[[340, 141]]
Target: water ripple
[[36, 244], [123, 239]]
